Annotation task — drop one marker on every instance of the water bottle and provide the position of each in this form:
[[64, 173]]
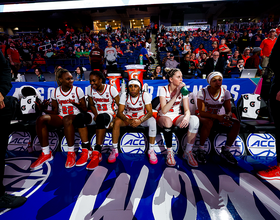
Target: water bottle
[[145, 87], [141, 59], [123, 87], [184, 91]]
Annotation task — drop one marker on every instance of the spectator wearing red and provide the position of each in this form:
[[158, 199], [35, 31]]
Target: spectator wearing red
[[246, 54], [194, 59], [215, 46], [232, 61], [14, 58], [96, 57], [223, 49], [278, 30], [214, 38], [200, 49], [38, 61], [266, 46], [253, 62]]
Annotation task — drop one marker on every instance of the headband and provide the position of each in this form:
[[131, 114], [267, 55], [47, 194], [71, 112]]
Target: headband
[[135, 82], [213, 74]]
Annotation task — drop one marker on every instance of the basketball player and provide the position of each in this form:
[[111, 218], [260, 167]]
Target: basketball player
[[135, 109], [64, 110]]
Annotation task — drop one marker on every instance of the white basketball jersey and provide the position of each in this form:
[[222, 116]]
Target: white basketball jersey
[[64, 100], [135, 107], [104, 102], [176, 107], [213, 104]]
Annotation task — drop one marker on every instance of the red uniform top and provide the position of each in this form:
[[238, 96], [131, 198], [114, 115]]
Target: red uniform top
[[266, 46], [14, 55]]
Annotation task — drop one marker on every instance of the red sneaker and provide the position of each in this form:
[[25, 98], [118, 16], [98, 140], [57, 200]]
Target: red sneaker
[[84, 156], [96, 157], [41, 160], [113, 155], [71, 160], [272, 173]]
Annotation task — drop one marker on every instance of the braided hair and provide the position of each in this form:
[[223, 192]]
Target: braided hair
[[171, 72], [58, 75]]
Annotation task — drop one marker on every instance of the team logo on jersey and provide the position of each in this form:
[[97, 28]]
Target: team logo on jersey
[[73, 95], [261, 144], [160, 145], [133, 143], [207, 144], [77, 143], [53, 142], [19, 141], [237, 148], [107, 143]]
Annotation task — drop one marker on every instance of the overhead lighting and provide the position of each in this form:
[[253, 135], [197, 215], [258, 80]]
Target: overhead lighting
[[97, 21], [16, 28], [113, 20], [133, 23], [240, 19], [141, 19], [133, 20], [224, 20], [249, 19], [115, 23]]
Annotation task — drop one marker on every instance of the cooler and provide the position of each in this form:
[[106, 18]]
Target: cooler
[[114, 80]]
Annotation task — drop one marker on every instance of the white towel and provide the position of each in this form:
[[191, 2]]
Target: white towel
[[251, 105]]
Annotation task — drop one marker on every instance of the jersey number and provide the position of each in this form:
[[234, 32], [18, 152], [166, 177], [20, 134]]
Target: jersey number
[[134, 115], [102, 107], [67, 110]]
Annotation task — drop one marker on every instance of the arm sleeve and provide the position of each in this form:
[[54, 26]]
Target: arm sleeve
[[114, 91], [147, 98], [81, 93], [5, 75], [123, 99]]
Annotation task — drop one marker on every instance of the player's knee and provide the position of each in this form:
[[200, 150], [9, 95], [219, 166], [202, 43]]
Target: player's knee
[[80, 120], [193, 124], [102, 120]]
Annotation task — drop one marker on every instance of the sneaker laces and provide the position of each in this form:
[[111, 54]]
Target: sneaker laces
[[190, 156], [152, 154], [271, 168]]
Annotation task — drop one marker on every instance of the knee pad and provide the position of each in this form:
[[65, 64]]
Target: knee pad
[[193, 124], [102, 121], [81, 120]]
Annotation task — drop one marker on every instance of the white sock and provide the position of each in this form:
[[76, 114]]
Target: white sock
[[189, 147], [115, 145], [71, 149], [151, 146], [46, 150], [85, 142]]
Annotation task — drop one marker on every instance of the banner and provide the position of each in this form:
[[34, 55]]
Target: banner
[[237, 87]]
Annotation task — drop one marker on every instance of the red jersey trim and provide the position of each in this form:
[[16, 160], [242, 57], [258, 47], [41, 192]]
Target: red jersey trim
[[67, 93]]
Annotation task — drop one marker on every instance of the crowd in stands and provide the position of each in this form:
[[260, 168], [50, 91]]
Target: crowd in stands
[[196, 53]]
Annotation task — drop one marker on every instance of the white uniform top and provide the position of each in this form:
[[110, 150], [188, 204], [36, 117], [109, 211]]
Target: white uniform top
[[213, 104], [175, 110], [104, 102], [135, 107], [64, 99]]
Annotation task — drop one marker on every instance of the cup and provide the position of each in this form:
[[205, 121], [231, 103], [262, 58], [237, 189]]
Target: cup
[[204, 76]]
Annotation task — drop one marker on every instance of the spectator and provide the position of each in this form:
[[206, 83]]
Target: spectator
[[257, 39], [165, 58], [26, 55], [96, 57], [239, 67], [144, 52], [253, 62], [243, 41], [128, 51], [78, 52], [119, 51], [266, 46], [200, 50], [224, 49], [188, 47], [214, 64], [194, 58], [201, 63], [110, 54], [39, 73], [86, 52], [246, 54], [187, 67], [157, 74], [14, 58], [214, 38], [48, 53], [278, 30], [176, 53], [171, 63], [80, 76], [215, 46], [230, 40], [232, 61], [38, 61], [61, 55]]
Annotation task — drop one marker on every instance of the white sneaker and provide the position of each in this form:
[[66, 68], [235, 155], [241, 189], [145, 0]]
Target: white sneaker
[[170, 161], [188, 156], [152, 156], [113, 155]]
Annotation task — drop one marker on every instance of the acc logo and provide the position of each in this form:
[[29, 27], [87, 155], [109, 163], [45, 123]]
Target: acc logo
[[160, 145], [19, 179], [133, 143], [18, 141], [53, 142], [107, 143], [207, 144], [237, 148], [77, 143], [261, 144]]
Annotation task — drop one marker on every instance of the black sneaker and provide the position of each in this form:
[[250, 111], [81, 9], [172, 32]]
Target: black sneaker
[[228, 157], [8, 201], [200, 156]]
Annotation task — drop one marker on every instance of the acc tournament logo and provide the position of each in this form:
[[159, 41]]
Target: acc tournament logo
[[261, 144], [20, 180], [107, 143], [237, 148], [160, 145], [18, 141], [77, 143], [207, 144], [53, 142], [133, 143]]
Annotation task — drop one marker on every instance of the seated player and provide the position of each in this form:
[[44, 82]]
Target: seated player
[[135, 109], [62, 114], [101, 98], [209, 101], [170, 115]]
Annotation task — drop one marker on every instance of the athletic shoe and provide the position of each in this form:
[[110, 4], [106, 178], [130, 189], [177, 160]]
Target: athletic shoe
[[71, 160], [272, 173], [188, 156], [96, 157], [43, 158], [152, 157], [227, 156], [9, 201], [170, 161], [84, 157], [113, 155], [199, 155]]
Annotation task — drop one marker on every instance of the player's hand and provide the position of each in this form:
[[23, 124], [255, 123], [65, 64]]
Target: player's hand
[[185, 122], [225, 120], [2, 104], [135, 122], [78, 105]]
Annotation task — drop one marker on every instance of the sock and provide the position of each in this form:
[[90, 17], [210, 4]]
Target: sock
[[167, 133], [226, 148], [98, 148], [46, 150], [115, 145], [71, 148], [189, 147], [86, 145], [151, 146]]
